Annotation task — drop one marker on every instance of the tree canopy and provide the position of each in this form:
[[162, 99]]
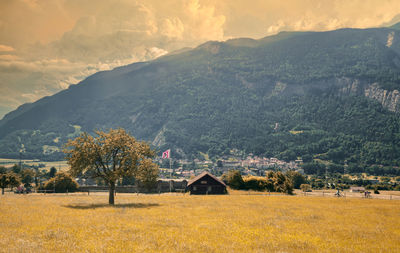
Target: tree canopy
[[61, 182], [9, 179], [110, 156]]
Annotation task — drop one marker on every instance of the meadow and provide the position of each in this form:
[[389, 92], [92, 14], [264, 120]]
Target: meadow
[[59, 165], [185, 223]]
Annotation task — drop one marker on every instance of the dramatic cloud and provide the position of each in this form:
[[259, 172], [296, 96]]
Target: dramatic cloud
[[47, 45], [4, 48]]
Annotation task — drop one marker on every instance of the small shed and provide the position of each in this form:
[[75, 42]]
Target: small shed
[[206, 183], [357, 189]]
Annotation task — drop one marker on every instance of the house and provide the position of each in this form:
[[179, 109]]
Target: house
[[373, 181], [205, 183], [357, 189]]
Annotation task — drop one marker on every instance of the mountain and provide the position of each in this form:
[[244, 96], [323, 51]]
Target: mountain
[[329, 96], [396, 26]]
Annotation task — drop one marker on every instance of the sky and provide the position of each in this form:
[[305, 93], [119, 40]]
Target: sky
[[47, 45]]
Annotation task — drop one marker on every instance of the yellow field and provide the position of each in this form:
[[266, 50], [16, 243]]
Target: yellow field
[[184, 223]]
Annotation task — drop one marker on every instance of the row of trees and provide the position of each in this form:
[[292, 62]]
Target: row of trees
[[42, 180], [318, 168], [340, 181], [273, 182]]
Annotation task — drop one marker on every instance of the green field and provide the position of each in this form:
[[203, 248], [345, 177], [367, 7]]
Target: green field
[[185, 223], [59, 165]]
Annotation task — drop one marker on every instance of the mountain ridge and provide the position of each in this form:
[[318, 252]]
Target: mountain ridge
[[224, 95]]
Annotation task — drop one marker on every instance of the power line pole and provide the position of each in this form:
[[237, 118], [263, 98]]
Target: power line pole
[[326, 177], [170, 174], [20, 159]]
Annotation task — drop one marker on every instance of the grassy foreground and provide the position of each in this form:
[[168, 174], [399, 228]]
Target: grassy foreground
[[167, 223]]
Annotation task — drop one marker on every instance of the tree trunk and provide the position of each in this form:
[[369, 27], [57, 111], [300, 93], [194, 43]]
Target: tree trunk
[[2, 191], [111, 193]]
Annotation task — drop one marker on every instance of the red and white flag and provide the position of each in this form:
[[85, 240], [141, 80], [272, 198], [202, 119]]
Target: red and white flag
[[166, 154]]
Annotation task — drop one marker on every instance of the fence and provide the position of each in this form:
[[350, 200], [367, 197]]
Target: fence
[[347, 194], [44, 191], [318, 193], [344, 194]]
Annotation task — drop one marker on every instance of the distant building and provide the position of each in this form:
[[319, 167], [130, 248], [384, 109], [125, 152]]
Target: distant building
[[205, 183], [373, 181], [231, 164], [357, 189]]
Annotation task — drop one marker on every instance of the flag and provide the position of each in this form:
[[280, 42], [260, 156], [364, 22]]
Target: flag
[[166, 154]]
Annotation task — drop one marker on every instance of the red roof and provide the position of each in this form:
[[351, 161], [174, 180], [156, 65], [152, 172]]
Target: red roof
[[204, 173]]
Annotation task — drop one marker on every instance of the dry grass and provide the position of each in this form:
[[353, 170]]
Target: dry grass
[[184, 223], [394, 193]]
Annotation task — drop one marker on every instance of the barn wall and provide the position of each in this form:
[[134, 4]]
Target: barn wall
[[207, 185]]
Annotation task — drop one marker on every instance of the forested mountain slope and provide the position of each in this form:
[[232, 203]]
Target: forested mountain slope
[[312, 95]]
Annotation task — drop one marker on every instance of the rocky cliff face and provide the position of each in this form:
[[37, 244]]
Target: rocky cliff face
[[389, 99]]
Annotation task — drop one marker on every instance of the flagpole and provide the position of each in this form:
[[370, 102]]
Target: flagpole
[[167, 154], [170, 174], [170, 166]]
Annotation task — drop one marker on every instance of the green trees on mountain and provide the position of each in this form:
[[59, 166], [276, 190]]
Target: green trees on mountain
[[282, 97]]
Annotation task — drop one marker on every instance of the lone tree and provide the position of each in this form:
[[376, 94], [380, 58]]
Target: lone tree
[[9, 180], [52, 172], [110, 156], [4, 182]]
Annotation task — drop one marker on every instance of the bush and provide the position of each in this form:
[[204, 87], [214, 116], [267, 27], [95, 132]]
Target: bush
[[297, 178], [280, 182], [233, 179], [255, 183], [305, 187], [288, 187], [274, 182], [63, 183]]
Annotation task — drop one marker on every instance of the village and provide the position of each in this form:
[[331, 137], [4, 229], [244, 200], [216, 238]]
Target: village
[[250, 165]]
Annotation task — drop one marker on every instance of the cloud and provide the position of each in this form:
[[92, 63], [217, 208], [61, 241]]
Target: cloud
[[8, 57], [201, 22], [35, 79], [172, 28], [4, 48], [104, 36], [36, 94], [330, 15]]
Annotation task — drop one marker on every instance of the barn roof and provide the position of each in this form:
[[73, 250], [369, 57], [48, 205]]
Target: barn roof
[[203, 174]]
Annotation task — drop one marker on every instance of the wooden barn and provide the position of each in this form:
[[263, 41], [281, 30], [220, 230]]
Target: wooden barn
[[205, 183]]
